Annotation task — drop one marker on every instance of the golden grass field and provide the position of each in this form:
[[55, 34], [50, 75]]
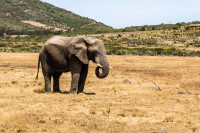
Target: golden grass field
[[127, 101]]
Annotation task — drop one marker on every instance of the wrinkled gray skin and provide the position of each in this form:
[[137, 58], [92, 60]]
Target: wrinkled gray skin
[[63, 54]]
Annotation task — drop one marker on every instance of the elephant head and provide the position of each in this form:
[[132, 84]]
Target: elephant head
[[88, 48]]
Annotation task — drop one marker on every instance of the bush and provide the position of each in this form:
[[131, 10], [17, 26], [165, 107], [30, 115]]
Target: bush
[[143, 28], [119, 35], [175, 27]]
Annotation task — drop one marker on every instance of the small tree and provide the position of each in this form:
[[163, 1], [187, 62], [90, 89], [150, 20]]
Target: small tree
[[143, 28], [153, 27], [174, 27], [119, 35]]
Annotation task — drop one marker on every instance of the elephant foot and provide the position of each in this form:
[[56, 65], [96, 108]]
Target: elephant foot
[[57, 91], [47, 92], [80, 92], [73, 92]]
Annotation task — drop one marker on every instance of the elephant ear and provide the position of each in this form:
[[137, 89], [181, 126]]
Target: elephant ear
[[78, 47]]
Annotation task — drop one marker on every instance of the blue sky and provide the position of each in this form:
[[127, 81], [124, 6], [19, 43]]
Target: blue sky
[[124, 13]]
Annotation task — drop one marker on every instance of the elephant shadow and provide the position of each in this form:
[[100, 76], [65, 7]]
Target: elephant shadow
[[86, 93], [64, 92], [91, 93]]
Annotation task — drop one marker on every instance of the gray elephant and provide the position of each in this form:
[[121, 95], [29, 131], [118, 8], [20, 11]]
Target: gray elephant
[[63, 54]]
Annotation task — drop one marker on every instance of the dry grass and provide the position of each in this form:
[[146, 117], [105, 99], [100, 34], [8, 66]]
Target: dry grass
[[126, 101]]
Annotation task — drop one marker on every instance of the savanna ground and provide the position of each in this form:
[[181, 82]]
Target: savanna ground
[[128, 100]]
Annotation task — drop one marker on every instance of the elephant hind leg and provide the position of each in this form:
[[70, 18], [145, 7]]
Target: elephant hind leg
[[56, 77], [47, 84], [47, 72]]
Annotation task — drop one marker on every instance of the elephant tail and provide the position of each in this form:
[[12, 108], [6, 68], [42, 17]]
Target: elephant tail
[[38, 68]]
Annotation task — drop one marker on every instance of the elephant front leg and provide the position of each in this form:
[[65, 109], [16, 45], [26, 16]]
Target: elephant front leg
[[76, 67], [82, 79]]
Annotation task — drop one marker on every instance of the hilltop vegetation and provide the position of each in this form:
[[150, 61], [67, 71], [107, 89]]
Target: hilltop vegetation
[[13, 12], [159, 42]]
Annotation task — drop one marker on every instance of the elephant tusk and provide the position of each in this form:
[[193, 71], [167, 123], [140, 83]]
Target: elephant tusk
[[99, 65], [110, 67]]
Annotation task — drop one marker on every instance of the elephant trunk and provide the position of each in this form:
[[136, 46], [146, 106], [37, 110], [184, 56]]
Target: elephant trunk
[[105, 69]]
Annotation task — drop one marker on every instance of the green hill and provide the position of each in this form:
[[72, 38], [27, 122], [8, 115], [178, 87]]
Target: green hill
[[13, 12]]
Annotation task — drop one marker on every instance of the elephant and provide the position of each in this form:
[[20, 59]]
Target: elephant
[[72, 54]]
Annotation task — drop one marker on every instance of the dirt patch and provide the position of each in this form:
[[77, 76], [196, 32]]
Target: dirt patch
[[37, 24]]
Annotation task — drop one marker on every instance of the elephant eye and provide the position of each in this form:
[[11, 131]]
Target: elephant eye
[[95, 51]]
